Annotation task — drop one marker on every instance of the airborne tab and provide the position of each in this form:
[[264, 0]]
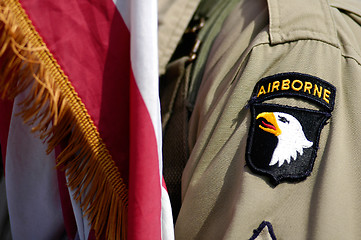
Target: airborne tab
[[296, 84]]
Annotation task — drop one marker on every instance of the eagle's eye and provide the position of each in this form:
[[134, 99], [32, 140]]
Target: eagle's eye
[[283, 119]]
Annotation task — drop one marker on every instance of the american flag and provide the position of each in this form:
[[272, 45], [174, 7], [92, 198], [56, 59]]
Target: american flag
[[84, 76]]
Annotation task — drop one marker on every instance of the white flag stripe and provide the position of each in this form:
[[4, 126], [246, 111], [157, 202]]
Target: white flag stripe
[[123, 7], [82, 223], [167, 218], [31, 184]]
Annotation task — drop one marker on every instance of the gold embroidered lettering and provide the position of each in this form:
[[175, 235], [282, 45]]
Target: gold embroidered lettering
[[269, 86], [261, 91], [326, 95], [317, 91], [297, 88], [285, 84], [308, 87], [275, 85]]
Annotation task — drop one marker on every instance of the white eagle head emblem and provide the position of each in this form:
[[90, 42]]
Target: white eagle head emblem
[[288, 130]]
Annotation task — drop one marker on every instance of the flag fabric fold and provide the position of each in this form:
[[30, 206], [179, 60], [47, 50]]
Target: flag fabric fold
[[84, 78]]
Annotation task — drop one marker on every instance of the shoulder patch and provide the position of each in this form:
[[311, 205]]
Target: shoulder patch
[[264, 231], [283, 140]]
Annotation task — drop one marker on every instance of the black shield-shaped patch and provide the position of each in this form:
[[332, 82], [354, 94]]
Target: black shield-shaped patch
[[283, 140], [290, 153]]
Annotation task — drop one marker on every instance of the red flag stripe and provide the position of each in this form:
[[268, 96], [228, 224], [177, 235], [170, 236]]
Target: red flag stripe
[[6, 109], [144, 212]]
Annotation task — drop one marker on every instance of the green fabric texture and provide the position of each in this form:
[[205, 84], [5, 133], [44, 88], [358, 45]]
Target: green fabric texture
[[215, 12]]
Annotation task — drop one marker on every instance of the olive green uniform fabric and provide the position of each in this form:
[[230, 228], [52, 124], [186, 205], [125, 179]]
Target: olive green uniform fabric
[[173, 19], [178, 88], [222, 197]]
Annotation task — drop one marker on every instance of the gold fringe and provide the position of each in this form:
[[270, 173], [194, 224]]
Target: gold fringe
[[52, 105]]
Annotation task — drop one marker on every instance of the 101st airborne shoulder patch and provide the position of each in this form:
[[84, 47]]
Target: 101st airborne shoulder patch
[[283, 140]]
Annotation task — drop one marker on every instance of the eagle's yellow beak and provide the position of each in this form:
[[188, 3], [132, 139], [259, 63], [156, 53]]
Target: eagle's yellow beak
[[271, 125]]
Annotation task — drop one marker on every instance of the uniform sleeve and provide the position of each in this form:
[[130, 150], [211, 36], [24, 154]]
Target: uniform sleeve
[[267, 71]]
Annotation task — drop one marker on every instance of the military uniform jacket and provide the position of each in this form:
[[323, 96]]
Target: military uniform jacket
[[275, 133]]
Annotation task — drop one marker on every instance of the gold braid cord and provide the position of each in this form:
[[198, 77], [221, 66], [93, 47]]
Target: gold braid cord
[[58, 115]]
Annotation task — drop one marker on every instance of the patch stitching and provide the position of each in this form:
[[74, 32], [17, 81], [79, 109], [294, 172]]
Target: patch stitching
[[264, 224]]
